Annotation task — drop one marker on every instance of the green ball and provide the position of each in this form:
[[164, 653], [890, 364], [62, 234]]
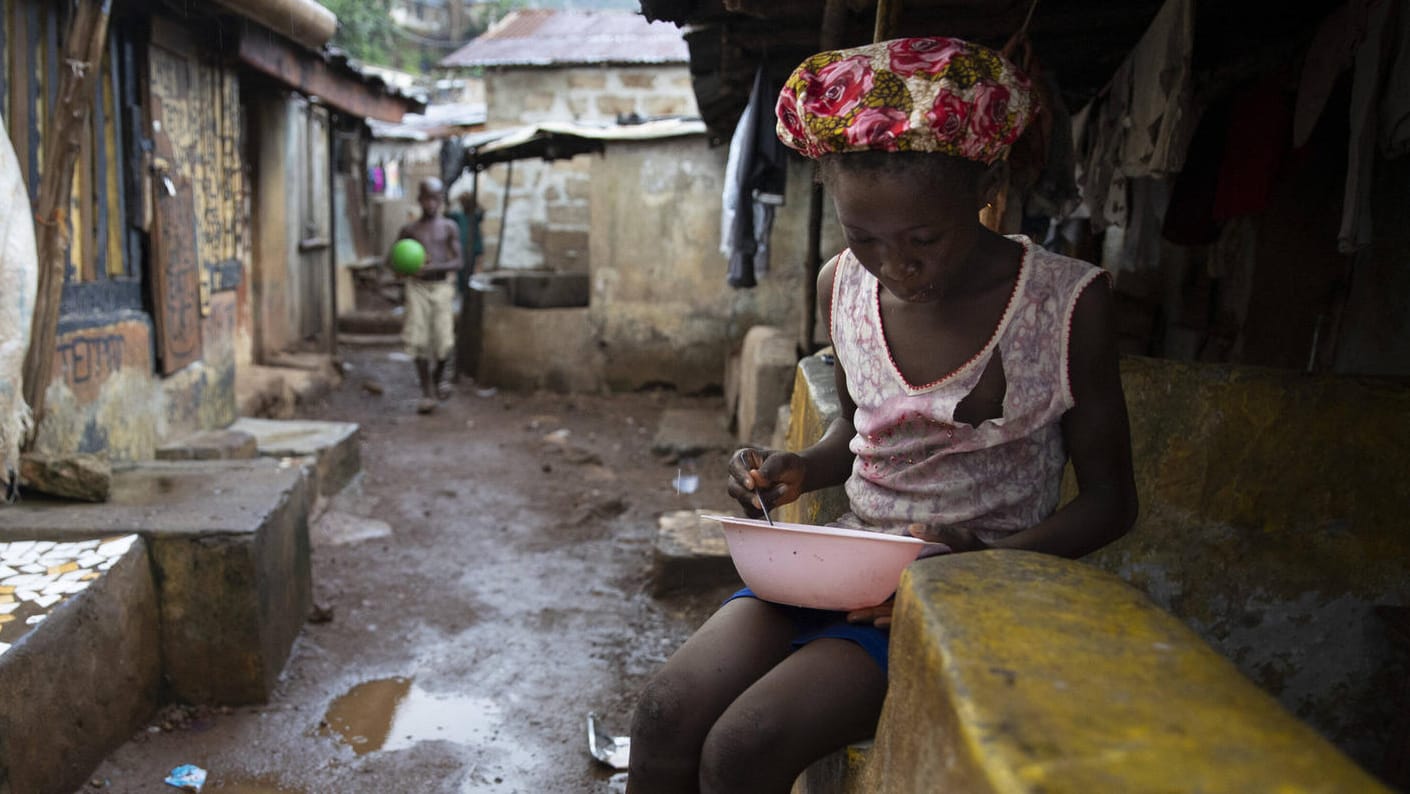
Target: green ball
[[408, 256]]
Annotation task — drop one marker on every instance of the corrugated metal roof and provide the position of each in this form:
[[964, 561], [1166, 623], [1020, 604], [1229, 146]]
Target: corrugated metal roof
[[439, 121], [554, 140], [563, 38]]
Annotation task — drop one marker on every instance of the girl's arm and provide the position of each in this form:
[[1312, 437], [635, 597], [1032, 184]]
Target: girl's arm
[[784, 476], [1098, 439]]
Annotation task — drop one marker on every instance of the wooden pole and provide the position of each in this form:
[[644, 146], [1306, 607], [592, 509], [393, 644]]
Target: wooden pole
[[63, 141], [888, 19], [833, 24], [503, 214]]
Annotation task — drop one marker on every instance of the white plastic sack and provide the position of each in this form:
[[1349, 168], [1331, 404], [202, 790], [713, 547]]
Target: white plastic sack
[[19, 281]]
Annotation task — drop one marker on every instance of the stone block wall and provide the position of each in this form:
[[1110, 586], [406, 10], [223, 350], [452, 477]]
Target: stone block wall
[[547, 219]]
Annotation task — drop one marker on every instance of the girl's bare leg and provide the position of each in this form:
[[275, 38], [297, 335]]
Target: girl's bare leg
[[679, 706], [825, 696]]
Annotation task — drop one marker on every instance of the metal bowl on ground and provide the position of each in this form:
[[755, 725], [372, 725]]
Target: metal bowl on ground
[[819, 567]]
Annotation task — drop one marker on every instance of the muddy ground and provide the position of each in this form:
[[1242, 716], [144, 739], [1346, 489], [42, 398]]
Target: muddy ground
[[505, 598]]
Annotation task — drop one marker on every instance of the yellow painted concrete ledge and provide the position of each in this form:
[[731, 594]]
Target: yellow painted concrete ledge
[[1021, 672]]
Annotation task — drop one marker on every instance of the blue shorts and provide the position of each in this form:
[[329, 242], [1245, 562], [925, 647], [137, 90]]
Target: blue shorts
[[815, 624]]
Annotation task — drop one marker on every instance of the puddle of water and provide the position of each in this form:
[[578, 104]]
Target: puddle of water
[[393, 714]]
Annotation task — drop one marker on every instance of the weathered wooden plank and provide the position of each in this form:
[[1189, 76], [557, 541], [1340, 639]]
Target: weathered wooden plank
[[110, 167], [83, 256], [176, 256], [311, 75]]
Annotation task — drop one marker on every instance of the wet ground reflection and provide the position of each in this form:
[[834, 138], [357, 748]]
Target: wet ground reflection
[[393, 713]]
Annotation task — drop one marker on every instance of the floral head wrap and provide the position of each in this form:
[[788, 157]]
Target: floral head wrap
[[920, 94]]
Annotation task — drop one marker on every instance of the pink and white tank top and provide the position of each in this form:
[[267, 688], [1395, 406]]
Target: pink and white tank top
[[915, 463]]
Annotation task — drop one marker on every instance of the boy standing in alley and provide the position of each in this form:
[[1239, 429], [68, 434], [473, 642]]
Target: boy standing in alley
[[428, 329]]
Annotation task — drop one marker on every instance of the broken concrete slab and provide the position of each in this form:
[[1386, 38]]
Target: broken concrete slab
[[688, 432], [333, 446], [86, 677], [224, 444], [229, 548], [690, 553]]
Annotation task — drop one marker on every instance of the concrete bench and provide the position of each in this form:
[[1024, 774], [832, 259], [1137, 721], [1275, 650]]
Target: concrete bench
[[228, 545], [80, 656], [1265, 528], [1021, 672]]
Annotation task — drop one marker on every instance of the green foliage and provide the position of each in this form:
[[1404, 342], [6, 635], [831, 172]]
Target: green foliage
[[366, 31]]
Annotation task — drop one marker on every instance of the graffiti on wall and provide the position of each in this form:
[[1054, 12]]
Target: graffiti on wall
[[88, 357]]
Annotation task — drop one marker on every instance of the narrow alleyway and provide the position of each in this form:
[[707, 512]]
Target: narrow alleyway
[[461, 650]]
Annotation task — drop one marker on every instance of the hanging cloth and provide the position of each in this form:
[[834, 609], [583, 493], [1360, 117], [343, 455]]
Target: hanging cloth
[[755, 175], [1395, 102], [1361, 154], [1140, 124]]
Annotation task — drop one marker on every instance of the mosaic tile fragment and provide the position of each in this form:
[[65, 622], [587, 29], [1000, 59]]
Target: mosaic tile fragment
[[37, 576]]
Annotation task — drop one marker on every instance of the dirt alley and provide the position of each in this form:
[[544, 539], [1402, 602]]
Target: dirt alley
[[508, 601]]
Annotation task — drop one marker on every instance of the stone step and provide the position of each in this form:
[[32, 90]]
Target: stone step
[[228, 543], [80, 656], [223, 444], [367, 321], [689, 432], [690, 554], [333, 447]]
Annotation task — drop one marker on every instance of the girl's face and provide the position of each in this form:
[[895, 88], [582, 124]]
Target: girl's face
[[913, 231]]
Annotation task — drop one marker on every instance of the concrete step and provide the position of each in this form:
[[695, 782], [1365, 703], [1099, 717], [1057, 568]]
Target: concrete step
[[334, 448], [690, 554], [228, 543], [80, 656], [224, 444], [368, 321], [688, 432]]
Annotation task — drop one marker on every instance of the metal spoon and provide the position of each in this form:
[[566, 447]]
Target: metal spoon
[[763, 506]]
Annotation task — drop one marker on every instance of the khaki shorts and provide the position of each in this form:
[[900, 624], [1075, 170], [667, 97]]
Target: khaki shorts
[[428, 330]]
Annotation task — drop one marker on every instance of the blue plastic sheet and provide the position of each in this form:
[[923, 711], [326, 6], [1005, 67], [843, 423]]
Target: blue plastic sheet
[[187, 777]]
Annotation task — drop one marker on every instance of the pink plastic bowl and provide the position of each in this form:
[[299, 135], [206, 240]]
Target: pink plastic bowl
[[818, 567]]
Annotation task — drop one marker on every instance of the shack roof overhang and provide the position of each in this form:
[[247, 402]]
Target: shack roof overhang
[[562, 140], [1082, 43], [327, 74], [306, 22], [436, 122]]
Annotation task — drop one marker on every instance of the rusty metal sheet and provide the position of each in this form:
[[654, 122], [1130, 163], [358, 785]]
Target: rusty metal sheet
[[309, 74]]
